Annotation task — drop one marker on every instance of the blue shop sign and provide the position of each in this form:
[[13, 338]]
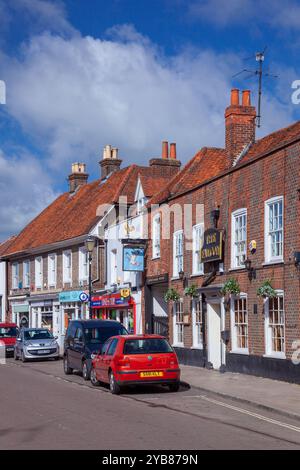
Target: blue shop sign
[[70, 296]]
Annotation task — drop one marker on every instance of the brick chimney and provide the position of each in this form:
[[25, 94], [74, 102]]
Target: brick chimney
[[166, 166], [239, 125], [78, 177], [110, 161]]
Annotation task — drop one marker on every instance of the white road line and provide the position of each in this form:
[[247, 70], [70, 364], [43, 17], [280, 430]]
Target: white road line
[[250, 413]]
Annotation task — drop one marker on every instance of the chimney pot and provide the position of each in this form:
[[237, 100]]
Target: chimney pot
[[165, 149], [246, 100], [173, 151], [114, 153], [235, 97], [78, 176]]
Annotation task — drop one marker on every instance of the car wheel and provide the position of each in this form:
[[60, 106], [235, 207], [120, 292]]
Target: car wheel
[[85, 371], [67, 369], [23, 357], [16, 357], [174, 387], [94, 380], [114, 387]]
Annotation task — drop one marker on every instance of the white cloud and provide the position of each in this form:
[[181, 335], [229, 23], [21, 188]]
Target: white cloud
[[242, 12], [25, 190]]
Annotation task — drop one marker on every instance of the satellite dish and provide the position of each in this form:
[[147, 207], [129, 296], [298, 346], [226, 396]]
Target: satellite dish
[[2, 92]]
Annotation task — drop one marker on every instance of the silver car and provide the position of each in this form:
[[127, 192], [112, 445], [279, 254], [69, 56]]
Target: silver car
[[36, 343]]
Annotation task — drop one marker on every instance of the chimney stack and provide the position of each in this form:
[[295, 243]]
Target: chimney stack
[[110, 162], [78, 177], [239, 125], [166, 166]]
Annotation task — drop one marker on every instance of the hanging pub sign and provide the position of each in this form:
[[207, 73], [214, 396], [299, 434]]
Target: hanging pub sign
[[212, 249], [133, 258]]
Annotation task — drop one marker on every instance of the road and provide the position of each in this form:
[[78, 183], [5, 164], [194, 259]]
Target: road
[[41, 408]]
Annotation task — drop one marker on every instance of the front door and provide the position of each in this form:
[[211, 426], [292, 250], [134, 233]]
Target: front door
[[214, 342]]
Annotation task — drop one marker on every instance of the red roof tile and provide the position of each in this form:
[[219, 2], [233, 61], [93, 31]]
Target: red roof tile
[[6, 244], [74, 215]]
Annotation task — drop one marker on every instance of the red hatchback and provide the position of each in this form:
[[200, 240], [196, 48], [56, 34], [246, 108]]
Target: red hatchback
[[134, 360], [8, 337]]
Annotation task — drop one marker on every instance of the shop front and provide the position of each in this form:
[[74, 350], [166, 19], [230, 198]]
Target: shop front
[[20, 312], [44, 312], [116, 307]]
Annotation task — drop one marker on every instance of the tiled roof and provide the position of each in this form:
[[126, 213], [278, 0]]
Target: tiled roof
[[6, 244], [206, 164], [151, 185], [272, 141], [73, 215]]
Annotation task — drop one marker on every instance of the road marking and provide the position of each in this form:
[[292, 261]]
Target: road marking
[[250, 413]]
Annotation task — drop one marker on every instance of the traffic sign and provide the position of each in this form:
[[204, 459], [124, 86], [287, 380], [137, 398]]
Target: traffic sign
[[83, 297]]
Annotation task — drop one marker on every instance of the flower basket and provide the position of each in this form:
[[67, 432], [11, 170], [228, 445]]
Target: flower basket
[[266, 290], [172, 295]]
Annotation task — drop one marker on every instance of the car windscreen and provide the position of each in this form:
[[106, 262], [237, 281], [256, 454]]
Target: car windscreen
[[8, 332], [147, 346], [37, 334], [100, 335]]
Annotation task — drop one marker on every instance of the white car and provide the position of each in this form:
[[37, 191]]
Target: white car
[[36, 343]]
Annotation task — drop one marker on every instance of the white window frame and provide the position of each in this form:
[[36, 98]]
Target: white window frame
[[178, 259], [82, 265], [38, 275], [15, 275], [234, 347], [234, 253], [196, 325], [268, 331], [26, 275], [156, 236], [178, 327], [268, 240], [67, 276], [198, 228], [52, 270]]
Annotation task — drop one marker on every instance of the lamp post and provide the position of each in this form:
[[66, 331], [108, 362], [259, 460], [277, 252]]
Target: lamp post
[[90, 245]]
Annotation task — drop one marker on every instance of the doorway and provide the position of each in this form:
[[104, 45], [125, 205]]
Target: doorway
[[214, 326]]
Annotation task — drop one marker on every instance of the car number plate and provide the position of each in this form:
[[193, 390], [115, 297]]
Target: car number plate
[[43, 351], [151, 374], [9, 349]]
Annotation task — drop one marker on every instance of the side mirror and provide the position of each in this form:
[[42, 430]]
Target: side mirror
[[18, 339]]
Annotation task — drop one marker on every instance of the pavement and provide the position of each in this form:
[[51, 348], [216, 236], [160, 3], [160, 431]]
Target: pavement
[[42, 408], [267, 394]]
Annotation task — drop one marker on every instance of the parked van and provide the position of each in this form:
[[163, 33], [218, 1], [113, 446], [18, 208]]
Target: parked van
[[85, 337]]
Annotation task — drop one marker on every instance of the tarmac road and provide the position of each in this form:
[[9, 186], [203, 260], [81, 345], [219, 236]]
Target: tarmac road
[[41, 408]]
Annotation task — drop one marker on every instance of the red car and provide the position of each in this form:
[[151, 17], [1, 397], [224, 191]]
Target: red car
[[136, 359], [8, 336]]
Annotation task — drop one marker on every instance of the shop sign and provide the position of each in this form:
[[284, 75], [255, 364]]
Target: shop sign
[[133, 258], [212, 246], [70, 296], [109, 301]]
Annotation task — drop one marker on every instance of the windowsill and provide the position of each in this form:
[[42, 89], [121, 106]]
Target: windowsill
[[155, 258], [270, 263], [175, 278], [178, 345], [199, 348], [238, 268], [196, 275], [275, 355], [240, 351]]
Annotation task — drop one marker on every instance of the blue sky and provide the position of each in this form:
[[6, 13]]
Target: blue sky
[[84, 73]]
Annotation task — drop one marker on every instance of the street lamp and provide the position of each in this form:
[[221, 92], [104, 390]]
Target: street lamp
[[90, 245]]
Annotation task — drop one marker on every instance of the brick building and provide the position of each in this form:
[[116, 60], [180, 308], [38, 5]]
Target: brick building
[[233, 217]]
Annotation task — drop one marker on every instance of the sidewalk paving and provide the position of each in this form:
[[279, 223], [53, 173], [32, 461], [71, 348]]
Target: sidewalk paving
[[267, 394]]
